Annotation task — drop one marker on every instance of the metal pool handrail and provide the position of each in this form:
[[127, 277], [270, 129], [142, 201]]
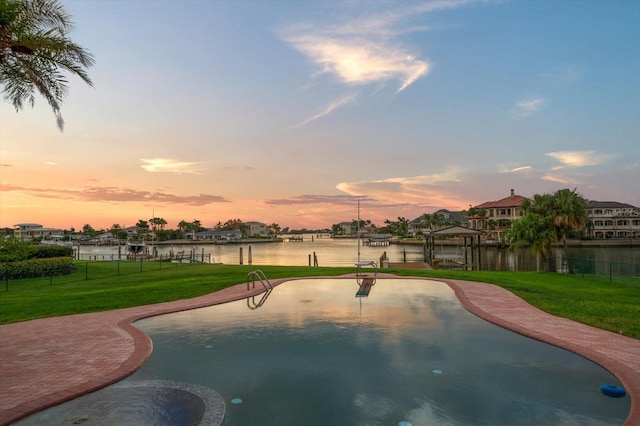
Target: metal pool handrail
[[258, 274]]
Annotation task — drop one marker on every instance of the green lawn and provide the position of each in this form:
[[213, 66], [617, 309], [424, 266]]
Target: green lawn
[[98, 286]]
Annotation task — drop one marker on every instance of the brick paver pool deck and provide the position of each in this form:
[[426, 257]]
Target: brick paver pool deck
[[48, 361]]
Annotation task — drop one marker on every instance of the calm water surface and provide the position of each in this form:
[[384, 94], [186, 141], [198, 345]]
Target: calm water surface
[[344, 252], [314, 354]]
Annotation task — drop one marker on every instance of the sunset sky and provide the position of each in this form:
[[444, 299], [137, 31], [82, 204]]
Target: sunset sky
[[285, 111]]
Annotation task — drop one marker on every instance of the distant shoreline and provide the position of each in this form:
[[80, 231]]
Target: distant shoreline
[[217, 242], [621, 242]]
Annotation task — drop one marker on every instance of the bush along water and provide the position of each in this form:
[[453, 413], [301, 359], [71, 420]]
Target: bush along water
[[20, 259]]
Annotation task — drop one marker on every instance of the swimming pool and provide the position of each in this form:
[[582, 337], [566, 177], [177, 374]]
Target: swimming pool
[[409, 353], [314, 354]]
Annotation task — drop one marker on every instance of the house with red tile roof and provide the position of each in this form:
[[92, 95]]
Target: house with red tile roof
[[495, 217]]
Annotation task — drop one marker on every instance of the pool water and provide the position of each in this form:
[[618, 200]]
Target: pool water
[[409, 353], [314, 354]]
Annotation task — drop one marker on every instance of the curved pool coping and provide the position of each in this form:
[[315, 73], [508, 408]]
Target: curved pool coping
[[47, 361]]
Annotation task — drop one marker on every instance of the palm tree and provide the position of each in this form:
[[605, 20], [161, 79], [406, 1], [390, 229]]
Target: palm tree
[[115, 230], [157, 223], [35, 49], [568, 211], [564, 211], [142, 227], [183, 226], [88, 230], [533, 231], [430, 221]]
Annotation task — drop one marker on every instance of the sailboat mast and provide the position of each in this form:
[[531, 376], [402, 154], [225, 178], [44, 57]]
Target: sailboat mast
[[358, 228]]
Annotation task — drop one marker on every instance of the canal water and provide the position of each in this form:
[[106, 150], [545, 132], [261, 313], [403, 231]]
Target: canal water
[[325, 251]]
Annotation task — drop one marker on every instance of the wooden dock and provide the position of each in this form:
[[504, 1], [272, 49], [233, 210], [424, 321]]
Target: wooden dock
[[377, 240]]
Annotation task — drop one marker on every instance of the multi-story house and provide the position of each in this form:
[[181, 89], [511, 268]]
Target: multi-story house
[[610, 219], [495, 217], [346, 228], [257, 229], [446, 218], [28, 231]]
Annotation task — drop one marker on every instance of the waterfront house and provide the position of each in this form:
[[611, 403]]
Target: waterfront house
[[215, 235], [29, 231], [257, 229], [347, 228], [498, 215], [447, 218], [610, 219]]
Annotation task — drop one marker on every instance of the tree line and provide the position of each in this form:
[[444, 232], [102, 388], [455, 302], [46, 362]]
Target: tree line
[[155, 228]]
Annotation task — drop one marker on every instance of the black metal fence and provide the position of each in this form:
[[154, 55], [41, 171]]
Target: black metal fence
[[93, 269], [619, 272]]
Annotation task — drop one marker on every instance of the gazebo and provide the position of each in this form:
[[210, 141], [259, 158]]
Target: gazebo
[[465, 238]]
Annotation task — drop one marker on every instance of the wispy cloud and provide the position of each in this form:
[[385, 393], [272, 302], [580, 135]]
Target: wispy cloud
[[421, 190], [50, 163], [165, 165], [519, 169], [564, 76], [110, 194], [579, 158], [552, 177], [511, 168], [327, 110], [526, 107], [358, 60], [317, 199], [368, 49]]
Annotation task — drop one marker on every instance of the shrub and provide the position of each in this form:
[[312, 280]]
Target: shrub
[[33, 268], [44, 252], [12, 249]]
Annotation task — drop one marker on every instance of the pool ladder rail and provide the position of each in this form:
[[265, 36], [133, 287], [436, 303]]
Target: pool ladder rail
[[252, 277]]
